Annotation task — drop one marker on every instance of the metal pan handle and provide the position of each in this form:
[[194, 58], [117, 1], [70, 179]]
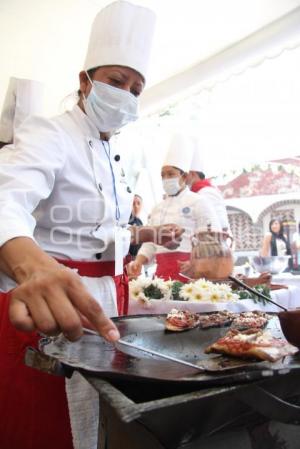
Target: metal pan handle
[[269, 405]]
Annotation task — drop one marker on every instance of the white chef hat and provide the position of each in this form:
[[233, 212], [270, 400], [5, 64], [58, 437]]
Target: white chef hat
[[180, 152], [197, 163], [23, 98], [121, 35]]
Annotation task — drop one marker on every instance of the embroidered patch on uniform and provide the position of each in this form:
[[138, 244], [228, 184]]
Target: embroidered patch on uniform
[[186, 210]]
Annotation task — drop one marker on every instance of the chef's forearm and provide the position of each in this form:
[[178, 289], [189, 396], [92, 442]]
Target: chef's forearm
[[20, 257], [141, 259]]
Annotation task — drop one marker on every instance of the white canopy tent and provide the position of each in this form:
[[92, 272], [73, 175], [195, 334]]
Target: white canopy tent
[[200, 79]]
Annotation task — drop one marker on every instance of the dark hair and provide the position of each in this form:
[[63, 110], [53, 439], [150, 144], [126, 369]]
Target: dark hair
[[200, 174], [182, 172], [90, 72], [139, 196], [278, 235]]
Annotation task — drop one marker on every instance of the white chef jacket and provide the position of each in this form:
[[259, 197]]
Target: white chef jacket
[[188, 210], [215, 198], [56, 186]]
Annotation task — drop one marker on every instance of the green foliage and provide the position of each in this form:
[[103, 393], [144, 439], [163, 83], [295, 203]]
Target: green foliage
[[262, 288], [175, 291], [153, 292]]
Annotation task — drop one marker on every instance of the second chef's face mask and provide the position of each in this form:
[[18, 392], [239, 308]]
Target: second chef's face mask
[[108, 107]]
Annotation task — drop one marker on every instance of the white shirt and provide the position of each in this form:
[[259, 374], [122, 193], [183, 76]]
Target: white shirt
[[56, 186], [188, 210], [281, 247], [215, 198]]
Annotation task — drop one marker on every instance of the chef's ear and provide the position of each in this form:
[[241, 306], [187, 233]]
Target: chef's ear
[[84, 83], [184, 176]]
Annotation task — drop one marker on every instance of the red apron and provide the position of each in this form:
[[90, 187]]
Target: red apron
[[167, 265], [33, 405]]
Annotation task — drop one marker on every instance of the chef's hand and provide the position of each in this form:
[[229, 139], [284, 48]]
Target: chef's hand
[[134, 269], [50, 298], [184, 266], [55, 300]]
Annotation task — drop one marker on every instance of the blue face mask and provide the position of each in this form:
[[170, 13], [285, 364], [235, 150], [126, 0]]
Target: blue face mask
[[110, 108]]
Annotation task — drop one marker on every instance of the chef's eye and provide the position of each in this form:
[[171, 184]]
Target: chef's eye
[[135, 92], [115, 82]]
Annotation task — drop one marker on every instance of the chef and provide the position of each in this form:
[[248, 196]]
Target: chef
[[23, 98], [64, 210], [180, 206], [199, 184]]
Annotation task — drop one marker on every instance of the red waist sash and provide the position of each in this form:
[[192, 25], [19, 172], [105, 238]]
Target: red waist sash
[[168, 267]]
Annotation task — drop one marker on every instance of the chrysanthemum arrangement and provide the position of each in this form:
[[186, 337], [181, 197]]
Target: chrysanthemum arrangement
[[144, 289]]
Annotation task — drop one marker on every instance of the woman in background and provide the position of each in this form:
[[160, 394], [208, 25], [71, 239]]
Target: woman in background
[[296, 248], [275, 243]]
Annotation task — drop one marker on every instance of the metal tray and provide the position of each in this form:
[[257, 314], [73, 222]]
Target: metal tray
[[93, 354]]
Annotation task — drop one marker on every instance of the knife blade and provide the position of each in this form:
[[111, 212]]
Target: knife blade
[[121, 343]]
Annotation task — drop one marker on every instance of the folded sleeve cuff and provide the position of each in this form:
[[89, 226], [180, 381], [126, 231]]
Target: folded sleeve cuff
[[11, 233], [148, 250]]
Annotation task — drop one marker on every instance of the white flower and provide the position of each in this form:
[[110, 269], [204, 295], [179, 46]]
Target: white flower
[[199, 294], [161, 285], [145, 282], [168, 295], [215, 295], [234, 297], [203, 283], [169, 283], [224, 288], [143, 298], [135, 289], [200, 290], [187, 291]]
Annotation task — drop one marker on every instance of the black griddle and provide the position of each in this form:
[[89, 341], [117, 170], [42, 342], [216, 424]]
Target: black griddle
[[93, 354], [151, 403]]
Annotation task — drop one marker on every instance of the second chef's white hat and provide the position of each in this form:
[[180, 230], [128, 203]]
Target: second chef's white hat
[[197, 163], [23, 98], [180, 152], [121, 35]]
